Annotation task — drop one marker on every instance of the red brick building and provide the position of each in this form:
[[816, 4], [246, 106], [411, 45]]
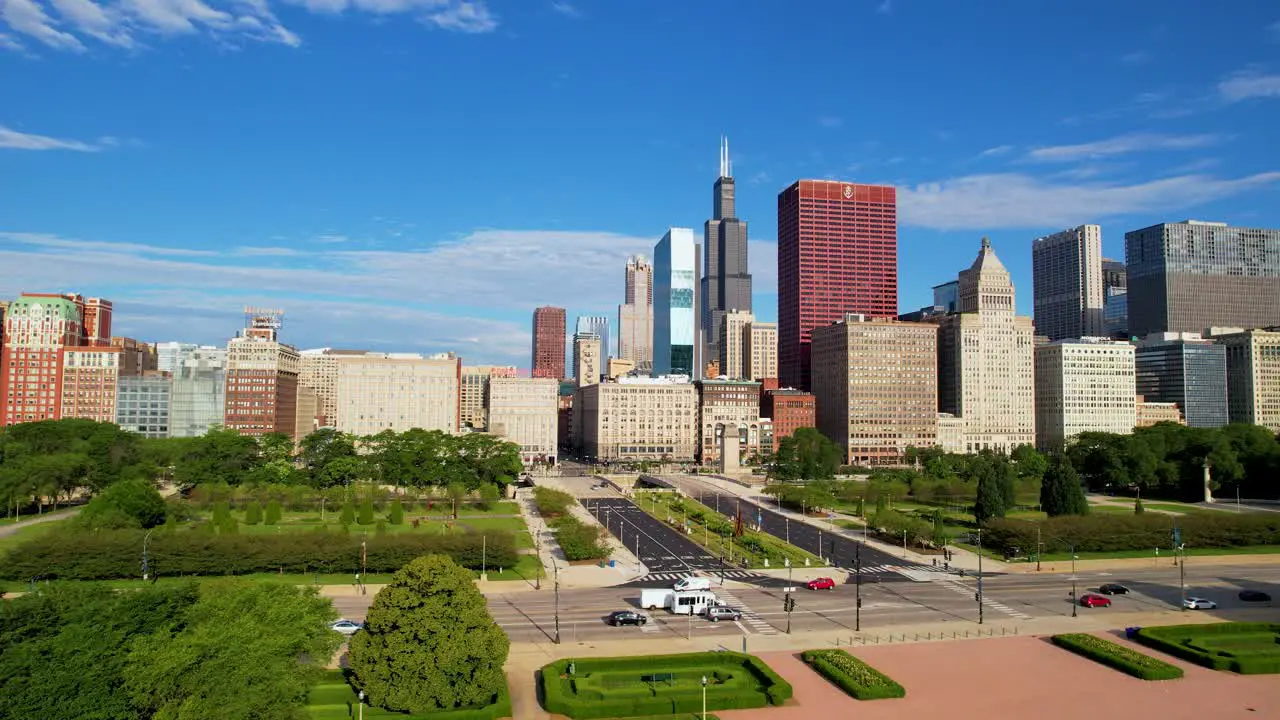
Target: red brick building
[[548, 343], [262, 378], [37, 328], [789, 409], [837, 254]]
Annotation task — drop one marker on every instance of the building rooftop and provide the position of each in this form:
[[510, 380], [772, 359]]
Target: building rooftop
[[65, 307]]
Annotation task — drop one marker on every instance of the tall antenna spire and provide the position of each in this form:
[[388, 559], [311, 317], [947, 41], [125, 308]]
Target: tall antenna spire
[[724, 158], [728, 164]]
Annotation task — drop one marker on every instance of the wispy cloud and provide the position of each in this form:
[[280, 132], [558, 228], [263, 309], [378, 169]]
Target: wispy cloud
[[1013, 200], [14, 140], [1274, 29], [885, 7], [566, 9], [72, 24], [1135, 58], [1124, 144], [830, 121], [1249, 84], [996, 151]]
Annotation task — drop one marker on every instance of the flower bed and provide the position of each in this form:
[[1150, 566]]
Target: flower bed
[[852, 675], [1114, 655]]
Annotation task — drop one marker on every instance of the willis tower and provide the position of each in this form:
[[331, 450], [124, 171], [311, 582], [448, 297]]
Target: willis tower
[[726, 284]]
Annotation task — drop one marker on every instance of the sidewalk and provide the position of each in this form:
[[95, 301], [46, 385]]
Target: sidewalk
[[627, 566]]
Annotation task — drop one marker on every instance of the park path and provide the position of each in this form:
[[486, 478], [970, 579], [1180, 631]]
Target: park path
[[62, 514]]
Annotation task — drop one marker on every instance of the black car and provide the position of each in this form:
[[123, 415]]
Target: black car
[[1113, 589], [1254, 596], [627, 617]]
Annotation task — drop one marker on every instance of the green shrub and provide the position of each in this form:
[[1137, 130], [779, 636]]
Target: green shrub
[[113, 554], [489, 496], [1126, 660], [253, 513], [348, 513], [365, 517], [380, 528], [578, 540], [1106, 532], [1180, 641], [125, 504], [396, 515], [852, 675], [551, 502], [273, 512]]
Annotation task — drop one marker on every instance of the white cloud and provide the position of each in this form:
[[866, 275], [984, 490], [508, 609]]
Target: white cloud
[[14, 140], [566, 9], [1123, 144], [45, 240], [996, 151], [267, 252], [28, 18], [1012, 200], [125, 23], [1243, 86]]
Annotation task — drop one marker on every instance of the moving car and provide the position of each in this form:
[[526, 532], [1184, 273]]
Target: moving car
[[1090, 600], [619, 618], [692, 583], [822, 583], [723, 612], [1113, 589], [1195, 603], [346, 627], [1254, 596]]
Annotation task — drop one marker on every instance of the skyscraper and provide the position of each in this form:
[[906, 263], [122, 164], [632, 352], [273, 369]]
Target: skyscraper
[[548, 342], [597, 325], [676, 304], [262, 377], [1186, 369], [986, 360], [38, 327], [1067, 277], [726, 283], [635, 315], [1189, 276], [199, 392], [587, 365], [837, 254]]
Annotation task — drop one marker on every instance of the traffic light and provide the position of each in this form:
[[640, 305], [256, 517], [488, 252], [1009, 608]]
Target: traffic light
[[859, 603], [788, 604], [977, 597]]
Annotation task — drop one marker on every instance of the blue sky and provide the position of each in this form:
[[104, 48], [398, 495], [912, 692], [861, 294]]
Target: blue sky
[[418, 175]]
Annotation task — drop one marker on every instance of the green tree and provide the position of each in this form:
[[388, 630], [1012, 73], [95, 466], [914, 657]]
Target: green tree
[[396, 515], [365, 516], [457, 493], [939, 529], [990, 502], [273, 512], [128, 503], [489, 496], [1137, 507], [429, 642], [220, 455], [348, 513], [1061, 492], [247, 650], [804, 456], [253, 513]]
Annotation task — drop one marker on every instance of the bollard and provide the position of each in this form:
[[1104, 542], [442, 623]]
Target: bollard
[[917, 637]]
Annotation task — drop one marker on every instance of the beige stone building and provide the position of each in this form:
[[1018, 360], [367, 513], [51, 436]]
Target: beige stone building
[[638, 419], [319, 371], [875, 383], [619, 367], [950, 433], [635, 315], [525, 411], [587, 363], [986, 367], [308, 412], [733, 344], [398, 391], [472, 392], [262, 380], [731, 431], [1150, 413], [1253, 375], [89, 381], [761, 352], [1083, 385]]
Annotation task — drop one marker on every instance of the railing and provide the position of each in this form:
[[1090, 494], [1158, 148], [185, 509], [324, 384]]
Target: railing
[[928, 636]]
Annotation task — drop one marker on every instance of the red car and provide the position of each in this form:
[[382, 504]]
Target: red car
[[1090, 600], [821, 584]]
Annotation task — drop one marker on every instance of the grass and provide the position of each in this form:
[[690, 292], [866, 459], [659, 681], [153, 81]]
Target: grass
[[333, 699], [1245, 648], [1111, 509], [659, 505], [1173, 507], [28, 532], [514, 525]]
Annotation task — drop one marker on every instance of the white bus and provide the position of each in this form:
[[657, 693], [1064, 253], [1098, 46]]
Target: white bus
[[689, 602]]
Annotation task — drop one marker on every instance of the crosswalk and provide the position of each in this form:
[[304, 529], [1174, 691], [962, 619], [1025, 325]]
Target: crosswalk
[[963, 589], [750, 618], [670, 577], [915, 573]]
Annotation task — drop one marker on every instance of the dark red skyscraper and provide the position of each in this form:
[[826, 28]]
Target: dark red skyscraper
[[837, 254], [548, 343]]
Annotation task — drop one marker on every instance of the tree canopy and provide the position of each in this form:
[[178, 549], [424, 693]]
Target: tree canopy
[[429, 642], [1061, 492], [132, 503], [806, 455]]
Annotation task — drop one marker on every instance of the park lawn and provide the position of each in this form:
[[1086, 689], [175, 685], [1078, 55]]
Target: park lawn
[[28, 532], [1245, 648], [659, 506], [1179, 508], [1111, 509]]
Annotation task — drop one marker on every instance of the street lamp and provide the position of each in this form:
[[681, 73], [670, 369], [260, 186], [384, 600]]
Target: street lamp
[[360, 697], [146, 559], [857, 587], [555, 566], [1074, 600], [979, 596], [704, 697]]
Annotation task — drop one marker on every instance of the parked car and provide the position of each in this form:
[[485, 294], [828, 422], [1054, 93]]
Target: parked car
[[347, 627], [1254, 596], [822, 583], [1090, 600], [627, 617], [1195, 603], [723, 612], [1113, 589]]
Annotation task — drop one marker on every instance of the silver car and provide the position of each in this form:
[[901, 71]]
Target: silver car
[[346, 627], [723, 612], [1196, 603]]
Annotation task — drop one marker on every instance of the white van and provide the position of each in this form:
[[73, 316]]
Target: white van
[[692, 583]]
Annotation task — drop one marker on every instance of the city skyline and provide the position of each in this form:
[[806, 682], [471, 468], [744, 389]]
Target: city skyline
[[191, 179]]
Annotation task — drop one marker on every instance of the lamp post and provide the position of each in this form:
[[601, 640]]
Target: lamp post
[[788, 523], [360, 697], [704, 697], [537, 549], [857, 587], [1074, 600], [146, 558], [979, 596], [556, 570], [1182, 576]]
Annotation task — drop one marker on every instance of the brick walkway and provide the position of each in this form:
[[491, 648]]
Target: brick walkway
[[1018, 678]]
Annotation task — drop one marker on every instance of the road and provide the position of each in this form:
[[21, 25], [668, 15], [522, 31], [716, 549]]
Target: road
[[51, 516], [529, 616]]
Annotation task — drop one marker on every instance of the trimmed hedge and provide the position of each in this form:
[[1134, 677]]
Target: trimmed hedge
[[551, 502], [562, 698], [1110, 532], [1177, 640], [331, 701], [578, 540], [1126, 660], [852, 675], [115, 554]]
